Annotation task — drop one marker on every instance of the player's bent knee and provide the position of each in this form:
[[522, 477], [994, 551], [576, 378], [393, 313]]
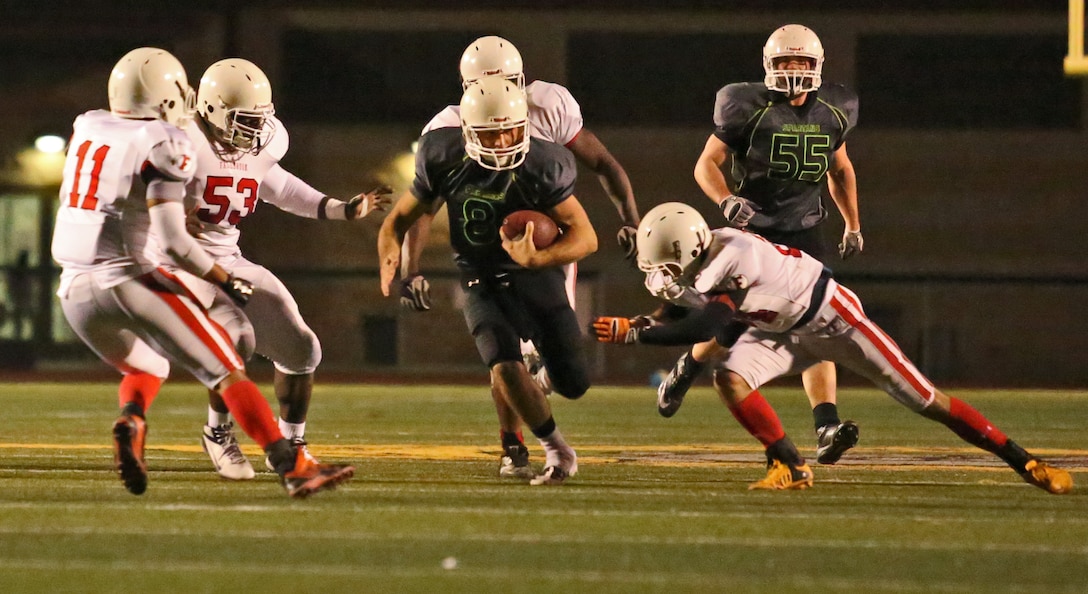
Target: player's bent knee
[[303, 360]]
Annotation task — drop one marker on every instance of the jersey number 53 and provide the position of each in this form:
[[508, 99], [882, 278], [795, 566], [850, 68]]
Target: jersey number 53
[[219, 205]]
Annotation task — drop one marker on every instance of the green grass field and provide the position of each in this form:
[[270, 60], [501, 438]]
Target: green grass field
[[658, 505]]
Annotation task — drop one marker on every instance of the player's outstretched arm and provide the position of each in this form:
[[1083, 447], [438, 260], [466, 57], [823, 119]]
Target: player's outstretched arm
[[391, 237]]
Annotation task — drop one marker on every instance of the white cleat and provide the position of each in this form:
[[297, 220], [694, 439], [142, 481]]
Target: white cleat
[[222, 447]]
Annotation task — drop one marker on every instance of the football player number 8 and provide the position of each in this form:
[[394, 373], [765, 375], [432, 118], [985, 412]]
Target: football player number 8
[[479, 221], [88, 201]]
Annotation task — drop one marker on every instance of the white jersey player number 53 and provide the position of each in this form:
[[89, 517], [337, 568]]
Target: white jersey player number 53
[[219, 205]]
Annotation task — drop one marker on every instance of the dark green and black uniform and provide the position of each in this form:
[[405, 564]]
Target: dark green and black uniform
[[780, 155], [505, 302]]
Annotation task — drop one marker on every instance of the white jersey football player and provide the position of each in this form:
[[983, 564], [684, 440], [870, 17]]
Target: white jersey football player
[[239, 143], [555, 116], [121, 207], [791, 314]]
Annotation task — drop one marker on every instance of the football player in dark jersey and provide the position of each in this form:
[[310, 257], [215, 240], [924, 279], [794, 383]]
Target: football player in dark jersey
[[782, 138], [485, 170]]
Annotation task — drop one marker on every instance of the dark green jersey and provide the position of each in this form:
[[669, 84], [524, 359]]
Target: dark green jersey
[[478, 199], [781, 153]]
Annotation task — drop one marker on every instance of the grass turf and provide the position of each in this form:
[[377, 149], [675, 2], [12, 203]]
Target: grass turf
[[658, 505]]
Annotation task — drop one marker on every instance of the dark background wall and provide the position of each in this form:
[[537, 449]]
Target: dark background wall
[[969, 152]]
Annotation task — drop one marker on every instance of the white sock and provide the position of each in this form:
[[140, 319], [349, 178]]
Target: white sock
[[216, 418], [293, 430], [552, 444]]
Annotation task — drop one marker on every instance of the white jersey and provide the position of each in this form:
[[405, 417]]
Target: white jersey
[[776, 281], [102, 225], [554, 115], [225, 192]]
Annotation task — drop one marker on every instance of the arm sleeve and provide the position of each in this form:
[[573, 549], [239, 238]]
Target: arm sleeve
[[699, 326], [168, 225], [290, 194]]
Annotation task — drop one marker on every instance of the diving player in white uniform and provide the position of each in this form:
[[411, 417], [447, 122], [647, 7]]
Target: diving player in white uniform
[[239, 144], [121, 202], [555, 116], [778, 311]]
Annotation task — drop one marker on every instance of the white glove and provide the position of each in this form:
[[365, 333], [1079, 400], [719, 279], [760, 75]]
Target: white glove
[[852, 243], [737, 211]]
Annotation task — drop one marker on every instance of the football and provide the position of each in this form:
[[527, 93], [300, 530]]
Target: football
[[544, 228]]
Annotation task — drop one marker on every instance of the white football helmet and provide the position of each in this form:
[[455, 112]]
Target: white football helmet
[[793, 40], [235, 102], [491, 56], [149, 82], [671, 241], [494, 104]]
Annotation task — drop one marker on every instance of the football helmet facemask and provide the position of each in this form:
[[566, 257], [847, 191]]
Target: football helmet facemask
[[149, 82], [491, 56], [492, 106], [787, 41], [672, 240], [235, 103]]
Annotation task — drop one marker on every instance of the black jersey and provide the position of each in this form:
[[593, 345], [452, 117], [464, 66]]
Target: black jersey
[[781, 153], [478, 199]]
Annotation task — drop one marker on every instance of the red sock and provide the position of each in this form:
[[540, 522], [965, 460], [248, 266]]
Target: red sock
[[139, 389], [974, 428], [252, 412], [757, 417]]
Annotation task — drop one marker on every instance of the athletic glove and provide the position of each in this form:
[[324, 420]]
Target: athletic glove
[[615, 330], [852, 243], [415, 293], [363, 204], [737, 211], [626, 239], [238, 289]]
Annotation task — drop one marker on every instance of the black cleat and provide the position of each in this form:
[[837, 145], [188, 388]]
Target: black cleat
[[832, 441], [671, 392]]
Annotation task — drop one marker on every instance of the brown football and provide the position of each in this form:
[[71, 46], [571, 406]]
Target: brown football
[[544, 228]]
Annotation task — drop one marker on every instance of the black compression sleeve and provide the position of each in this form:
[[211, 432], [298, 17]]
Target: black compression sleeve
[[699, 326]]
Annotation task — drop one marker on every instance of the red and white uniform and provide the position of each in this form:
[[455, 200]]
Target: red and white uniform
[[224, 193], [774, 287], [554, 115], [132, 313]]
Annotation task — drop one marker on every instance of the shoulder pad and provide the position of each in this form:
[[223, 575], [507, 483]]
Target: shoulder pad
[[450, 117], [172, 154], [738, 101], [553, 112], [843, 100], [281, 140]]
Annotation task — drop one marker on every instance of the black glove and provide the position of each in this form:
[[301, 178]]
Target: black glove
[[737, 211], [626, 239], [852, 242], [415, 293], [238, 289]]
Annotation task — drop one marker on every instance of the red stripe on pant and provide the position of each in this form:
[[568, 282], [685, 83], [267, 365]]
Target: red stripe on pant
[[878, 339], [232, 361]]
